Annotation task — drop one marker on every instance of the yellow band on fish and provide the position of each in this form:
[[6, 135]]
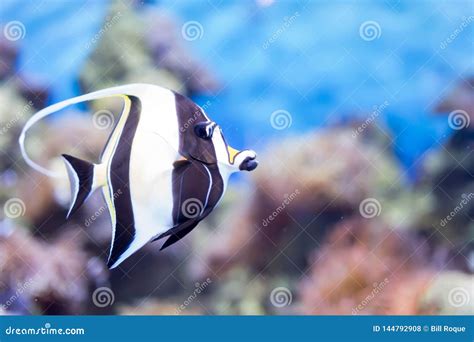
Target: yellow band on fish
[[232, 153]]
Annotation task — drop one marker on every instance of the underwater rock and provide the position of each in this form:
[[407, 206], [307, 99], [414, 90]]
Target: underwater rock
[[118, 51], [133, 49], [365, 268], [448, 175], [154, 308], [33, 90], [460, 98], [166, 44], [303, 186], [71, 133], [145, 48], [42, 278], [13, 114], [8, 57]]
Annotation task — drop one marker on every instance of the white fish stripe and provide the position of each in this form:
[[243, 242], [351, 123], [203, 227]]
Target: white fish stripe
[[210, 186], [109, 153], [75, 185], [108, 160], [126, 240], [115, 91]]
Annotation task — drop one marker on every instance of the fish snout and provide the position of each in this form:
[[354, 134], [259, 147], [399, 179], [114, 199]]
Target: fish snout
[[249, 163]]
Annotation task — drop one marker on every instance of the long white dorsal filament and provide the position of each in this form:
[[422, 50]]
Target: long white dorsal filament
[[115, 91]]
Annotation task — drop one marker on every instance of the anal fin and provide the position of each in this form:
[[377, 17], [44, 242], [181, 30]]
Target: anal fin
[[175, 237]]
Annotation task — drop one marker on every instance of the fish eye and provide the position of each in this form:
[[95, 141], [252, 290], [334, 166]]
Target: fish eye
[[204, 130]]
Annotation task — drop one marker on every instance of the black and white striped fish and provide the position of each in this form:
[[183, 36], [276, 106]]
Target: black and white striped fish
[[164, 168]]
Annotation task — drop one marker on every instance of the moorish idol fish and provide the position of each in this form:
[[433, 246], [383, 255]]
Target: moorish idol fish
[[163, 169]]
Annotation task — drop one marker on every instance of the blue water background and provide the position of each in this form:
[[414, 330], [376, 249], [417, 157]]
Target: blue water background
[[319, 69]]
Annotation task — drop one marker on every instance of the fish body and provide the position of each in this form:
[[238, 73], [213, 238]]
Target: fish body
[[163, 169]]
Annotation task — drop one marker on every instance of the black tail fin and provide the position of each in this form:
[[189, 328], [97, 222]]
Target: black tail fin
[[81, 178]]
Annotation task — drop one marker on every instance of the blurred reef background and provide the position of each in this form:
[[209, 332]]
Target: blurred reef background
[[362, 116]]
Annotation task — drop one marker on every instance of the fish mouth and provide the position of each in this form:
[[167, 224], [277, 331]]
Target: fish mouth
[[248, 164]]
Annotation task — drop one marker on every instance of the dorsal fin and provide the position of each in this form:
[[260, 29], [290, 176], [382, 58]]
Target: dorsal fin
[[81, 179]]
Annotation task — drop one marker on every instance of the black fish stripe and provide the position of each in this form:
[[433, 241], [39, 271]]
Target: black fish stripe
[[190, 145], [189, 182], [120, 181], [197, 185]]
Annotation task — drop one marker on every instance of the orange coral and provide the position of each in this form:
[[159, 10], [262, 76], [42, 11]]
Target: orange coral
[[363, 270]]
